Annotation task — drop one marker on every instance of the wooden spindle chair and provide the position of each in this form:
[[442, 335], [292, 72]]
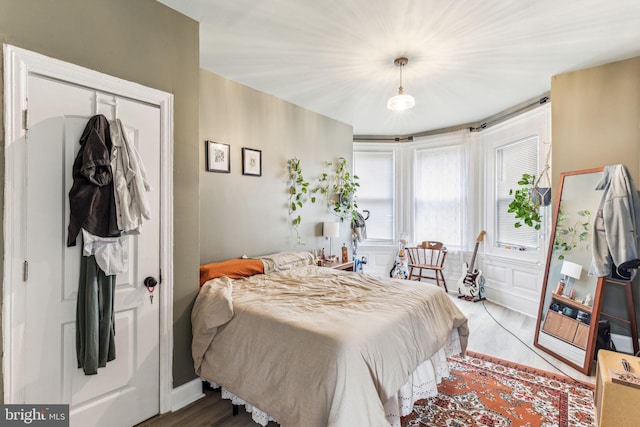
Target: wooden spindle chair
[[426, 261]]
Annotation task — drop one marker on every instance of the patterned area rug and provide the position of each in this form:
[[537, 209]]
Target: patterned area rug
[[484, 391]]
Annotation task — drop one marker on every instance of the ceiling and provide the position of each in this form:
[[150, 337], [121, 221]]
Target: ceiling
[[468, 59]]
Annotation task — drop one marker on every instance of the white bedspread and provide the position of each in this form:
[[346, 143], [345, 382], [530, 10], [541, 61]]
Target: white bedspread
[[319, 347]]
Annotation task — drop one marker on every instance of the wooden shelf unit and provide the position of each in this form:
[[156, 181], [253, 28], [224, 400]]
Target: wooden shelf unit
[[571, 303], [567, 328]]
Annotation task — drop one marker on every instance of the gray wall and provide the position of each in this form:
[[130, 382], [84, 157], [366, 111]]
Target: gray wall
[[247, 215], [596, 122], [144, 42]]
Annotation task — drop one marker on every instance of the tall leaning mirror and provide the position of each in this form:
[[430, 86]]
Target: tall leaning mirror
[[566, 328]]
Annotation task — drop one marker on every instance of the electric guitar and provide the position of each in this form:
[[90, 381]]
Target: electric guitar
[[471, 284]]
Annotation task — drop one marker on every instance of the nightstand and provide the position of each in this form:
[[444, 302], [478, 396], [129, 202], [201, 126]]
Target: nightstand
[[348, 266]]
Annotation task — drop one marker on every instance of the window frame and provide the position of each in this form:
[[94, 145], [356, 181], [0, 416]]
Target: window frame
[[533, 123], [393, 150]]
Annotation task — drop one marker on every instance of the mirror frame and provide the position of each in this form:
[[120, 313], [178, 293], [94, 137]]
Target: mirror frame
[[548, 290]]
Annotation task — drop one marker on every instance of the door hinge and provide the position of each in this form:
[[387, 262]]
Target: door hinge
[[160, 276], [25, 271], [25, 119]]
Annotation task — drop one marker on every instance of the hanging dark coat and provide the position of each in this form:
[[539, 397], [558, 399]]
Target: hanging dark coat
[[91, 198]]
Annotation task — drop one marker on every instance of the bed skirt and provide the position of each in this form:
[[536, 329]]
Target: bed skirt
[[422, 384]]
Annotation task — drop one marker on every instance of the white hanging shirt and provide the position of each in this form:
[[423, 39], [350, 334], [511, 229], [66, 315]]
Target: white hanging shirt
[[112, 253], [129, 181]]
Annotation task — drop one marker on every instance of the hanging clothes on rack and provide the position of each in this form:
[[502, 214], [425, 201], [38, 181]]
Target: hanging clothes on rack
[[108, 203], [131, 205], [92, 209], [616, 238], [111, 253], [91, 198], [129, 180], [95, 328]]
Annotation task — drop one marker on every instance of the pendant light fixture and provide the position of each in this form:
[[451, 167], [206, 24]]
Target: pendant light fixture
[[401, 101]]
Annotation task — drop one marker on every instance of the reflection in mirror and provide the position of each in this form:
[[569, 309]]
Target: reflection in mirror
[[564, 328]]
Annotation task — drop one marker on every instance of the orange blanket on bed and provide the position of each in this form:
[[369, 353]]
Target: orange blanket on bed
[[232, 268]]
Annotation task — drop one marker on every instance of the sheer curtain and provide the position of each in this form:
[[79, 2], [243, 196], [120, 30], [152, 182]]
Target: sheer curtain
[[440, 190]]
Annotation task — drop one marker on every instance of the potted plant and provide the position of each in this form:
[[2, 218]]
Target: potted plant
[[527, 201]]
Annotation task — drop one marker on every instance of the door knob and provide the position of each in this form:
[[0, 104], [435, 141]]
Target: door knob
[[150, 282]]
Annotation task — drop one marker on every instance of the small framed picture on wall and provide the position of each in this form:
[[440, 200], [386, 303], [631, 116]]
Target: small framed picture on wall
[[251, 162], [217, 156]]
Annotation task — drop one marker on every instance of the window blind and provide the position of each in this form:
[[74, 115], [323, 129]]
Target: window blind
[[375, 171], [512, 160]]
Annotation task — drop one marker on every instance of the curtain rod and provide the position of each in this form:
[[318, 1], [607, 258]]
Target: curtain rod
[[472, 127], [504, 115]]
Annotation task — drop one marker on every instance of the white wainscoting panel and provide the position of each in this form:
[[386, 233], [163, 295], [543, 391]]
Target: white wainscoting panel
[[514, 284]]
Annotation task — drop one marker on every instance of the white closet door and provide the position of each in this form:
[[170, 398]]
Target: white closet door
[[127, 390]]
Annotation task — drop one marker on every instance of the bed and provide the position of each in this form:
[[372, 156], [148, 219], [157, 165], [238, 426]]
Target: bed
[[312, 346]]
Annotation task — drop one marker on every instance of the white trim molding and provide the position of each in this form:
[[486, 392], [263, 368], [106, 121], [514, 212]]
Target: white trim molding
[[186, 394]]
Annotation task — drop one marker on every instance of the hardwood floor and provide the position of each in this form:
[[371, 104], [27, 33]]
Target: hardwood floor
[[486, 336]]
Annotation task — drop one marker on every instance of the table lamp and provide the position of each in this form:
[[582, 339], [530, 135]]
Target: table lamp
[[570, 270], [331, 230]]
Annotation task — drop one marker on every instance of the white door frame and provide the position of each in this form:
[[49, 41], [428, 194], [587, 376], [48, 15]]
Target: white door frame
[[18, 64]]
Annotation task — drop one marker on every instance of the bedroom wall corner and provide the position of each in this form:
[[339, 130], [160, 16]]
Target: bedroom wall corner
[[165, 55], [248, 215]]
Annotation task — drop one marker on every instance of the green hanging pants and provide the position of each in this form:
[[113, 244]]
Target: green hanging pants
[[95, 329]]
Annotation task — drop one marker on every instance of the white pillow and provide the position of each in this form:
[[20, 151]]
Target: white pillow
[[281, 261]]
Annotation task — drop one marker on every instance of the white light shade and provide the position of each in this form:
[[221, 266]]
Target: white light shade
[[571, 269], [331, 229], [401, 102]]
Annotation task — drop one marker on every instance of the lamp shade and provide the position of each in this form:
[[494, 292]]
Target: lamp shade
[[331, 229], [401, 102], [571, 269]]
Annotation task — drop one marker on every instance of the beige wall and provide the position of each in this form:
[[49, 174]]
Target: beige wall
[[144, 42], [596, 118], [596, 122], [247, 215]]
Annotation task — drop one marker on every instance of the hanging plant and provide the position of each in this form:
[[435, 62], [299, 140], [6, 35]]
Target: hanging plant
[[324, 184], [298, 190], [344, 187], [339, 187], [530, 197], [526, 203]]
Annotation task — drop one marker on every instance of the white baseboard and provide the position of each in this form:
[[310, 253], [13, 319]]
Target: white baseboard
[[185, 394]]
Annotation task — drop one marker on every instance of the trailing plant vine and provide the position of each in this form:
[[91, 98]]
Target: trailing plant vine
[[298, 190]]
